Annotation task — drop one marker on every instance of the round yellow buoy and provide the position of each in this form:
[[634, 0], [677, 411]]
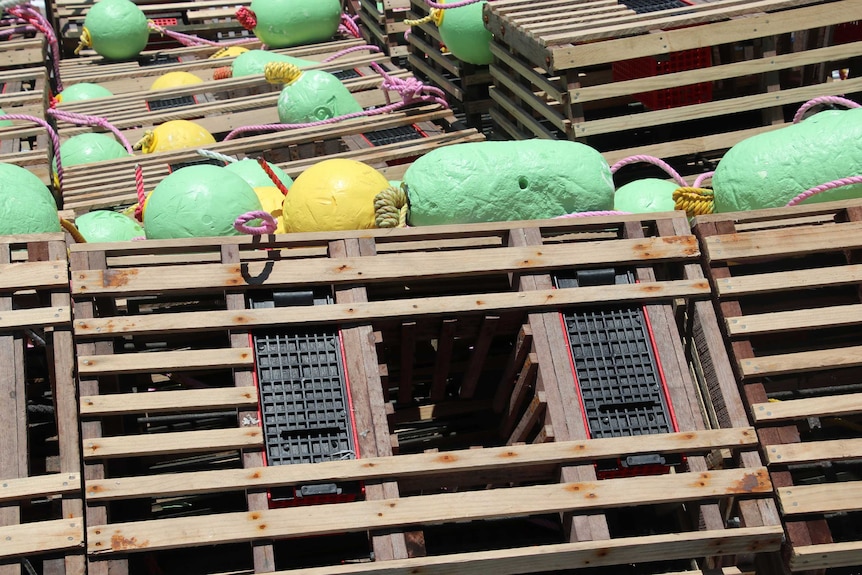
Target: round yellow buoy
[[174, 80], [228, 52], [272, 201], [174, 135]]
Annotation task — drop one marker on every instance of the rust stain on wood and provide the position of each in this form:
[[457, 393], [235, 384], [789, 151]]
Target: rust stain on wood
[[118, 278], [752, 483], [509, 454], [447, 458], [121, 543]]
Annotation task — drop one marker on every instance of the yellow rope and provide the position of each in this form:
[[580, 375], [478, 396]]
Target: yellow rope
[[435, 16], [281, 73], [147, 143], [390, 208], [73, 231], [695, 201], [84, 41]]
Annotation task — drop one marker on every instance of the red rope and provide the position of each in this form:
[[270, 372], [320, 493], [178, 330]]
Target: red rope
[[223, 73], [246, 18], [142, 196], [275, 179]]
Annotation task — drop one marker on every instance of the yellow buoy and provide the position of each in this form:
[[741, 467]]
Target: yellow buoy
[[174, 135], [175, 79], [333, 195], [272, 201], [228, 52]]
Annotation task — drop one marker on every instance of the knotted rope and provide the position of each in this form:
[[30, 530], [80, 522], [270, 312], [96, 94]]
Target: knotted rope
[[390, 208], [694, 201], [348, 25], [246, 18], [268, 224]]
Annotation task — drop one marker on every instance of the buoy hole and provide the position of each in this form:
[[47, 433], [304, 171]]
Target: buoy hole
[[523, 183]]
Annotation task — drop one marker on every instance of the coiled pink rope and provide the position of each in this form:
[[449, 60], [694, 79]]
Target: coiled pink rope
[[411, 92], [698, 181], [52, 134], [38, 21], [650, 160], [268, 225], [348, 25], [85, 120], [820, 101], [824, 188], [350, 50], [191, 40]]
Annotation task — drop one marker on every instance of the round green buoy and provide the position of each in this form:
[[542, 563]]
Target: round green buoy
[[26, 205]]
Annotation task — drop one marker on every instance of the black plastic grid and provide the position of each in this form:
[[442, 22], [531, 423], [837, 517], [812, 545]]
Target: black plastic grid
[[167, 103], [202, 161], [644, 6], [393, 135], [158, 59], [616, 369], [346, 74]]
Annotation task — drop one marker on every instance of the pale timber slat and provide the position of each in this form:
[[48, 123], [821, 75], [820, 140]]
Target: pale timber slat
[[798, 319], [415, 465], [788, 281], [801, 361], [447, 507], [33, 275], [830, 450], [360, 311], [783, 242], [167, 401], [39, 485], [821, 498], [36, 317], [172, 443], [846, 554], [41, 537], [566, 556], [164, 361], [382, 267], [835, 406]]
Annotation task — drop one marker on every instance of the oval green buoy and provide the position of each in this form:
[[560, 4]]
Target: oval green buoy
[[285, 23], [107, 226], [464, 34], [254, 61], [26, 205], [83, 91]]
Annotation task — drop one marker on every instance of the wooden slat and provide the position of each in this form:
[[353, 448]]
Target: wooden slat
[[831, 450], [802, 361], [41, 537], [39, 485], [164, 361], [793, 320], [363, 311], [566, 556], [783, 242], [821, 498], [167, 401], [172, 443], [807, 557], [421, 464], [33, 275], [833, 405], [788, 281], [382, 267], [37, 317]]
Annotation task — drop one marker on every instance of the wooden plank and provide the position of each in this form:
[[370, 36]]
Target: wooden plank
[[383, 267], [165, 361], [33, 275], [814, 451], [167, 401], [845, 554], [36, 317], [788, 281], [446, 507], [40, 485], [795, 241], [478, 356], [821, 498], [442, 363], [835, 406], [818, 360], [793, 320], [567, 556], [172, 443], [41, 537], [421, 464], [534, 412], [362, 311], [408, 357]]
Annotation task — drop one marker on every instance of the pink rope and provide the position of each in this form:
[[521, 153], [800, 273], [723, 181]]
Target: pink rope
[[269, 223], [410, 90], [190, 40], [650, 160], [18, 30], [348, 25], [597, 213], [35, 18], [823, 188], [823, 100], [52, 134], [141, 193], [698, 181], [350, 50]]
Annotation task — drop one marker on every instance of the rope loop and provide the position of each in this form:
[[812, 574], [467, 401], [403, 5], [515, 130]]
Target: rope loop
[[246, 18], [73, 231], [268, 225], [650, 160], [694, 201], [698, 181], [410, 89], [823, 100], [281, 73], [390, 208], [348, 25], [85, 41]]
